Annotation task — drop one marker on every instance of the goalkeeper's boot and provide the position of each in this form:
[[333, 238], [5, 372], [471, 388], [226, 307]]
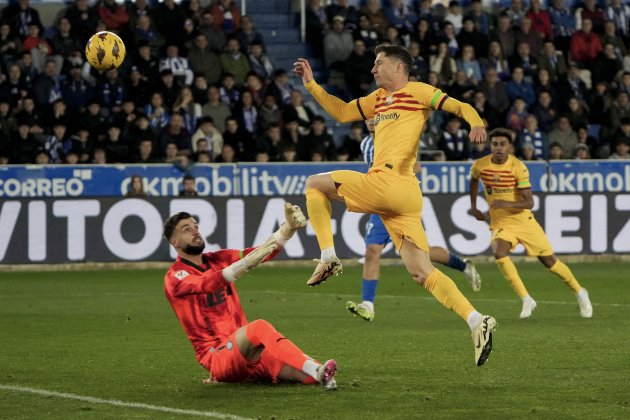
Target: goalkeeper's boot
[[474, 279], [324, 270], [482, 339], [360, 310], [586, 309], [326, 375], [529, 305]]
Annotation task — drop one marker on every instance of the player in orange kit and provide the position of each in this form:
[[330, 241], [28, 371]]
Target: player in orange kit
[[390, 189], [509, 195], [200, 288]]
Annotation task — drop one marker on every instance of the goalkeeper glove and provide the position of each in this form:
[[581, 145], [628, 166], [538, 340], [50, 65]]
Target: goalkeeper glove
[[237, 270], [295, 220]]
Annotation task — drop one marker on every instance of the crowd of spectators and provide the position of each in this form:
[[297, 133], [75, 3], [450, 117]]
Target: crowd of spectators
[[558, 76], [198, 86]]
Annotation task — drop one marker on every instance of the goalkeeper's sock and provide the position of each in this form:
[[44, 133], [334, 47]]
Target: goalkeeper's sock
[[455, 262], [320, 213], [447, 293], [262, 333], [368, 288], [508, 269], [310, 368], [561, 270]]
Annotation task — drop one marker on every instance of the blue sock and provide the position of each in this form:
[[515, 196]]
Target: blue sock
[[369, 289], [455, 262]]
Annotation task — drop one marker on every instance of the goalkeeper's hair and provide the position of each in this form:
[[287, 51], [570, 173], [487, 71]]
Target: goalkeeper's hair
[[171, 223], [502, 132], [398, 52]]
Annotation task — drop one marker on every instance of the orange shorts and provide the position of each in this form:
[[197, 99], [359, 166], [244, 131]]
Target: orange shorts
[[397, 199], [529, 233], [226, 364]]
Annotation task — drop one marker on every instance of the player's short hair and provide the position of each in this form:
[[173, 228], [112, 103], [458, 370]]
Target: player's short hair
[[171, 222], [398, 52], [502, 132]]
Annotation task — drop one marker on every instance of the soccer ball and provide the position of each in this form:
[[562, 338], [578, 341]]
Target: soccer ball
[[105, 51]]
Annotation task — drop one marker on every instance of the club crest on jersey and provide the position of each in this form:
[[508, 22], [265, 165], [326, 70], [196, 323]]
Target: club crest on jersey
[[496, 177], [181, 274], [379, 117], [389, 100]]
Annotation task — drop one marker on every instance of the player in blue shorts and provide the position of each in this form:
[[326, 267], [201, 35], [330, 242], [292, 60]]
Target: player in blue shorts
[[377, 237]]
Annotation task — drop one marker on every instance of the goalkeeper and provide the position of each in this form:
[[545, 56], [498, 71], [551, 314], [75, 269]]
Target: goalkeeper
[[200, 288]]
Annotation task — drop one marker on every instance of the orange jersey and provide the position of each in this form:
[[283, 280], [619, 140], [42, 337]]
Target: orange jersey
[[206, 304], [399, 119], [503, 182]]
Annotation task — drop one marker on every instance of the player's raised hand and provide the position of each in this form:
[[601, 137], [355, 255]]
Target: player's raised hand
[[295, 220], [294, 216], [303, 68], [478, 135]]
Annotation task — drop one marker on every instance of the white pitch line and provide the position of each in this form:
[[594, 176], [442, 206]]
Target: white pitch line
[[117, 403]]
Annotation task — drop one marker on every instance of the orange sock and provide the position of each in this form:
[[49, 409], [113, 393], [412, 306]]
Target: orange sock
[[320, 213], [447, 293], [508, 269], [261, 332], [561, 270]]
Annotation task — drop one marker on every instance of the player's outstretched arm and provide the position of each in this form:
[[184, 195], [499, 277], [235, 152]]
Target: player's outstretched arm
[[241, 267], [294, 220], [468, 113], [340, 110]]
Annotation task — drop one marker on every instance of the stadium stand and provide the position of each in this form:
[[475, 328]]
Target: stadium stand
[[195, 63]]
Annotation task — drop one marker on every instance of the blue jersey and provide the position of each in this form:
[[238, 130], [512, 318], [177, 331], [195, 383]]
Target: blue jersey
[[367, 148], [375, 232]]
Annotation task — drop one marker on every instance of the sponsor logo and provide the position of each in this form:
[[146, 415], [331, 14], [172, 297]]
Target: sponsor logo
[[108, 229], [503, 190], [380, 117], [181, 274], [41, 187]]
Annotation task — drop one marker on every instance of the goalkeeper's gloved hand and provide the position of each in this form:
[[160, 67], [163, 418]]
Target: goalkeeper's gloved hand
[[295, 220], [241, 267]]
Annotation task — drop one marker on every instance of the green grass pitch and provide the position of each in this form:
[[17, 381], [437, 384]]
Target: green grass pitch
[[112, 335]]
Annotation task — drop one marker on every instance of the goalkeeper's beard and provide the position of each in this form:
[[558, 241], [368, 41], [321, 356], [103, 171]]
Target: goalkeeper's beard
[[194, 249]]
